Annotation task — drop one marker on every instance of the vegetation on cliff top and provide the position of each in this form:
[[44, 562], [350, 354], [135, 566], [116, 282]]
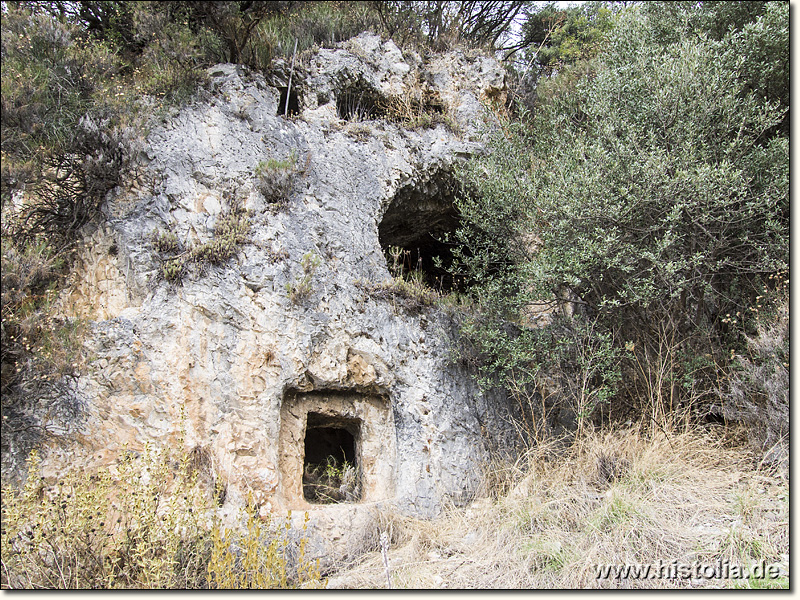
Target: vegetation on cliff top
[[81, 82]]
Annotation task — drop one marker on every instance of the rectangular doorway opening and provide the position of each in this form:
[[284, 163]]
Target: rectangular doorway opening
[[335, 447], [331, 472]]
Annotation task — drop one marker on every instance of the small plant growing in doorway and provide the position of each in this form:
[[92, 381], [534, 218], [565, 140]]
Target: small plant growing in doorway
[[331, 483]]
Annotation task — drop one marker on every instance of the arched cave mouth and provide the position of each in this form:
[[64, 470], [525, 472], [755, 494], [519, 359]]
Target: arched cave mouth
[[416, 226], [359, 102], [330, 464]]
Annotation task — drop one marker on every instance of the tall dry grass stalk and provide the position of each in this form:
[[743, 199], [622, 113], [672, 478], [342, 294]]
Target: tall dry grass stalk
[[620, 497]]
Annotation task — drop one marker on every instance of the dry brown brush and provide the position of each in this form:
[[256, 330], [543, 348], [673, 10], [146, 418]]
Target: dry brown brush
[[611, 498]]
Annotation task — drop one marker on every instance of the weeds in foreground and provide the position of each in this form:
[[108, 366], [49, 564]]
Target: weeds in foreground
[[146, 522]]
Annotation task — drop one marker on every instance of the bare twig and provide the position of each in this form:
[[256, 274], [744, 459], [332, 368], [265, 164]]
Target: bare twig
[[385, 553]]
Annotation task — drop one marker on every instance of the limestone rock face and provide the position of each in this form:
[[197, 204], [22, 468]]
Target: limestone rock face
[[228, 356]]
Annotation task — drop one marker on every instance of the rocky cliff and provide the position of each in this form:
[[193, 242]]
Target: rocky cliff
[[295, 345]]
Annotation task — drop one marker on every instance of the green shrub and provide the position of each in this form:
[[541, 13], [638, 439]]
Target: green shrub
[[666, 212], [174, 50], [46, 84], [58, 142], [231, 231], [76, 98], [40, 355], [555, 38], [310, 24], [174, 269], [166, 241], [758, 388], [275, 179], [441, 25]]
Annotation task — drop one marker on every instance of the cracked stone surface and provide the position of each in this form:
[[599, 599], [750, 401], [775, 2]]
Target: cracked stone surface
[[227, 346]]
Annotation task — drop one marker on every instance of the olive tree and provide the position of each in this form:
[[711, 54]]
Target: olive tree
[[650, 195]]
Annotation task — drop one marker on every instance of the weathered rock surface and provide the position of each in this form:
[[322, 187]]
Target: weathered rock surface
[[221, 354]]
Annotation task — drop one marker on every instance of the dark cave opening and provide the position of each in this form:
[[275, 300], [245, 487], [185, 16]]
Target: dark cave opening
[[330, 464], [359, 103], [294, 102], [415, 229]]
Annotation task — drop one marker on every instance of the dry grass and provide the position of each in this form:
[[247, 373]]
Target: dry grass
[[611, 498]]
